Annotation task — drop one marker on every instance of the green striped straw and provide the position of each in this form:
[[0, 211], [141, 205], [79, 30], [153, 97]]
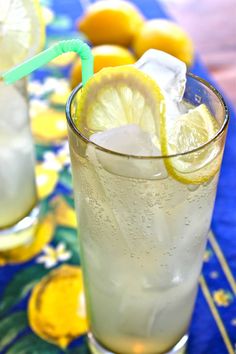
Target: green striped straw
[[30, 65]]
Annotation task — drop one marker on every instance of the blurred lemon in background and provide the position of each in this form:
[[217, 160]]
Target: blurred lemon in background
[[22, 31], [104, 55], [65, 214], [63, 59], [111, 22], [49, 126], [164, 35], [46, 180], [56, 308]]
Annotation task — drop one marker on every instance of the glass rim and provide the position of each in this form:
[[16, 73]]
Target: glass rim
[[218, 134]]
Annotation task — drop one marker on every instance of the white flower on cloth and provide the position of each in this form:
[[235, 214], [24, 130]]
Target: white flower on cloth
[[52, 256], [63, 155], [37, 106], [51, 161], [56, 161], [36, 88], [50, 84]]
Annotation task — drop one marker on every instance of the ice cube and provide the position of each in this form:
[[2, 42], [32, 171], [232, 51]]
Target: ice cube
[[127, 139], [131, 140], [168, 72]]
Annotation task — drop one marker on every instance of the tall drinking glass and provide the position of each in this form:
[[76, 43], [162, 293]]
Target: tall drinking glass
[[143, 233], [18, 196]]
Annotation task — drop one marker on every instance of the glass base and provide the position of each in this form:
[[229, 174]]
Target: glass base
[[21, 233], [96, 347]]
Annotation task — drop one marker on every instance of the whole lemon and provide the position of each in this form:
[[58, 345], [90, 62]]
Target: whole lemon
[[56, 308], [111, 22], [104, 55], [164, 35]]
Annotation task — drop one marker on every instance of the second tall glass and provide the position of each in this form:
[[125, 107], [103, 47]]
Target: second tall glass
[[18, 201]]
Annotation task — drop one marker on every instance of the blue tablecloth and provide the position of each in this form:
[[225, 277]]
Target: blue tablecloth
[[213, 328]]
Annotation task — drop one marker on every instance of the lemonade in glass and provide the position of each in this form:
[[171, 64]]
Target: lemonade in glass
[[146, 144], [17, 176], [21, 34]]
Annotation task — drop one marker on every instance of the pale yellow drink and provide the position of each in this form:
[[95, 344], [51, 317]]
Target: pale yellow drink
[[21, 35], [142, 243], [144, 219], [17, 178]]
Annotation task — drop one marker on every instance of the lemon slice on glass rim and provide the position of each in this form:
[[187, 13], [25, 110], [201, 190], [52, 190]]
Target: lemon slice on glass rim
[[125, 95], [195, 161], [118, 96], [22, 32]]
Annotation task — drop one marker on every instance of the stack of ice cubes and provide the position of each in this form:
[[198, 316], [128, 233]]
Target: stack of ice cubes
[[170, 75]]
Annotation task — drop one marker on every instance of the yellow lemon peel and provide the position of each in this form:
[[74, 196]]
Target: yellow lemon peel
[[131, 97], [56, 309], [189, 132]]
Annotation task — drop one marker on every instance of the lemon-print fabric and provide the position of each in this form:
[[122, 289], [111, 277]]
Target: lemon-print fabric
[[41, 284]]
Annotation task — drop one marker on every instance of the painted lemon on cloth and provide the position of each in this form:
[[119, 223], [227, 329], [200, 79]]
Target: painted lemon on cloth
[[64, 213], [49, 126], [56, 308], [46, 180], [43, 235]]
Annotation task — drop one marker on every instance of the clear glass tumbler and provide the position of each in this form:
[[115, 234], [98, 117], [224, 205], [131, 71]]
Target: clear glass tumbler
[[18, 195], [142, 234]]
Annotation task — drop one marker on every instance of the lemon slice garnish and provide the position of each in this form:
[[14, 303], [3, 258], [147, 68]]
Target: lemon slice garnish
[[189, 132], [125, 95], [21, 31], [119, 96]]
